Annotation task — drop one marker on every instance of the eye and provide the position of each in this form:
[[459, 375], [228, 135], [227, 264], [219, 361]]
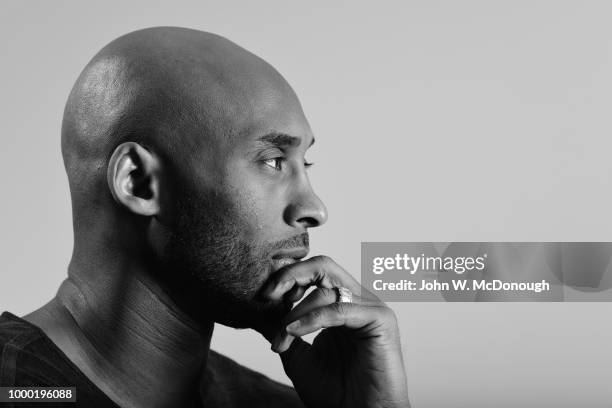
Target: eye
[[275, 163], [307, 164]]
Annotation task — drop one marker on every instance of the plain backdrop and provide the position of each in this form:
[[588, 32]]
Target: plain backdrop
[[435, 121]]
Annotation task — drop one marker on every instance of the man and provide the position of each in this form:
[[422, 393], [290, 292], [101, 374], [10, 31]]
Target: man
[[191, 205]]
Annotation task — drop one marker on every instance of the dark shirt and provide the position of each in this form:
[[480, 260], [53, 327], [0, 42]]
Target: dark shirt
[[28, 358]]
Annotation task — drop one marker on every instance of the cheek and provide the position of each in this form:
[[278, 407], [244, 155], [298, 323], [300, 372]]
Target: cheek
[[260, 208]]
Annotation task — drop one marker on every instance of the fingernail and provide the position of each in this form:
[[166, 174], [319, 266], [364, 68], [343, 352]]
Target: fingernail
[[287, 339], [270, 291], [276, 342], [293, 326]]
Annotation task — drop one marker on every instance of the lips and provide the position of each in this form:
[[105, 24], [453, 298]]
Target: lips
[[278, 263], [287, 257]]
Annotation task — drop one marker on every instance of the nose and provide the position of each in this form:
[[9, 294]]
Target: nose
[[305, 209]]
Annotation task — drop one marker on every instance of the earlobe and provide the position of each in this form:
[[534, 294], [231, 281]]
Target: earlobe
[[133, 179]]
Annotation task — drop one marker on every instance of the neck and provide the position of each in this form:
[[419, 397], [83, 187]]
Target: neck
[[117, 325]]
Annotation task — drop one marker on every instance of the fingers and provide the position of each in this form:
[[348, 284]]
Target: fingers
[[291, 282], [321, 271], [317, 298], [318, 301], [348, 315], [295, 294]]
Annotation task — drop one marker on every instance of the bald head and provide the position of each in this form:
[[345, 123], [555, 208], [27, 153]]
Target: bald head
[[172, 90], [186, 161]]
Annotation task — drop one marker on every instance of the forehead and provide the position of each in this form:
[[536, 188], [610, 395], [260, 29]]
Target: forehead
[[258, 119], [239, 102], [272, 117]]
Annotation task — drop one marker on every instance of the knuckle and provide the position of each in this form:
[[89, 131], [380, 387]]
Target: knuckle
[[389, 315], [327, 294], [315, 315], [323, 259], [320, 258], [320, 269], [341, 308]]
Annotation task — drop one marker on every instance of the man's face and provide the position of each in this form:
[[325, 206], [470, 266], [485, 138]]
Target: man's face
[[242, 212]]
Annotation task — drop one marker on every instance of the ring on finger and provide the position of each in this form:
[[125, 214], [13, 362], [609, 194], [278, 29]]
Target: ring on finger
[[343, 295]]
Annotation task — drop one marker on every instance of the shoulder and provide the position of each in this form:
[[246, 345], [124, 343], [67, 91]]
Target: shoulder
[[16, 336], [240, 386], [14, 330], [26, 357]]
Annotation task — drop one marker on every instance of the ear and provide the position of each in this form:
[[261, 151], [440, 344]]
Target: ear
[[133, 178]]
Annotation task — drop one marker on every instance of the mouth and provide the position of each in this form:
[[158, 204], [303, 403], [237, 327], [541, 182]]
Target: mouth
[[287, 257], [278, 263]]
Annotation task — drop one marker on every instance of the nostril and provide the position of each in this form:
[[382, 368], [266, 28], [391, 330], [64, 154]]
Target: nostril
[[309, 222]]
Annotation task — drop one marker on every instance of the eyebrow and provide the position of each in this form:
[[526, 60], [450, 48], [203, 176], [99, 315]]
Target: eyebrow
[[282, 140]]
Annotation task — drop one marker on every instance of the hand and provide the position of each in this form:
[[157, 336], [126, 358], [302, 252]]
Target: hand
[[356, 361]]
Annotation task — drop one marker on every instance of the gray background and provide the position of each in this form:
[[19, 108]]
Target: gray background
[[435, 121]]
